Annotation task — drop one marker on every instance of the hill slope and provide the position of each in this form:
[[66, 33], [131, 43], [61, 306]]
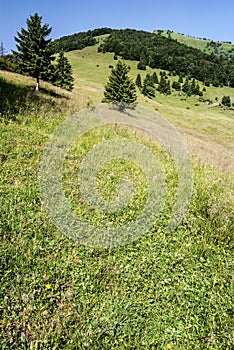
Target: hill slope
[[158, 51], [226, 49], [166, 289], [206, 127]]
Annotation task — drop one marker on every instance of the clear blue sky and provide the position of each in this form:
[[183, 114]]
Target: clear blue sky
[[203, 18]]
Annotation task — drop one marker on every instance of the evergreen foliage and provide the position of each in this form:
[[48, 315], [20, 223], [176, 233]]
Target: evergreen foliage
[[63, 73], [192, 88], [149, 80], [180, 80], [138, 81], [155, 78], [141, 66], [185, 86], [34, 55], [6, 63], [78, 41], [120, 89], [176, 86], [158, 51], [226, 101], [148, 88], [148, 91], [164, 86]]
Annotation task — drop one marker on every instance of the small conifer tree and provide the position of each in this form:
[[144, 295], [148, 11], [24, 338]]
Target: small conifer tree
[[120, 89], [155, 78], [148, 88], [138, 81], [63, 73]]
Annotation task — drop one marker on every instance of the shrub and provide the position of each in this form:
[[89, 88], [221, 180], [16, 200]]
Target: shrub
[[141, 66]]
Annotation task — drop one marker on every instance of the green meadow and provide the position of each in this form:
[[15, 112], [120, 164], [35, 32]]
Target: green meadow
[[204, 44], [165, 290]]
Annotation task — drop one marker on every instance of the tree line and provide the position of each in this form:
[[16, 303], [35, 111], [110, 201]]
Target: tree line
[[78, 41], [35, 57], [157, 51], [163, 85]]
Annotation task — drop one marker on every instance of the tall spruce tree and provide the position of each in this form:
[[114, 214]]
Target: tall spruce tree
[[63, 73], [120, 89], [34, 55]]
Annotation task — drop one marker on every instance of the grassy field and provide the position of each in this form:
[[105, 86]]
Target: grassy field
[[210, 127], [204, 44], [163, 291]]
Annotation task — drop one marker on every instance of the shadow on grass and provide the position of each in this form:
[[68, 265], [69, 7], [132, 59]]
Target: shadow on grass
[[53, 93], [16, 99]]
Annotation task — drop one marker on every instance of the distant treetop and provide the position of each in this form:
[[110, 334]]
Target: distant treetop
[[78, 41]]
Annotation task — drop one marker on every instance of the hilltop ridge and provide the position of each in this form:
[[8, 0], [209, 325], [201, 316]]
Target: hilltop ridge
[[209, 46]]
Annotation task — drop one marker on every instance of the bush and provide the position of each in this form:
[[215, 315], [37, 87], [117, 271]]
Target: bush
[[216, 83], [226, 101], [176, 85], [141, 66]]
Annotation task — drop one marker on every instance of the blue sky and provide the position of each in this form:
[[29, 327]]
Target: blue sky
[[201, 18]]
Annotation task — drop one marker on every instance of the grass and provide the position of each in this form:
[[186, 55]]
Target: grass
[[209, 124], [223, 48], [164, 289]]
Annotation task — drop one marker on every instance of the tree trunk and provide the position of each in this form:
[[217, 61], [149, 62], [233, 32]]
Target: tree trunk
[[37, 85]]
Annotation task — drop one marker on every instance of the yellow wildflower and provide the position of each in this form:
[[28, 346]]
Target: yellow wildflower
[[48, 286], [169, 347]]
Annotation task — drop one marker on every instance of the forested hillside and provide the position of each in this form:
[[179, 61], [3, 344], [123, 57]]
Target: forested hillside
[[219, 48], [154, 50], [157, 51], [78, 41]]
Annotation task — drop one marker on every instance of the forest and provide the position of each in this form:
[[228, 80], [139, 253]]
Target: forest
[[157, 51], [78, 41]]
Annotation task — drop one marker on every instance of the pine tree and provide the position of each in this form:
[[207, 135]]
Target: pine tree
[[120, 89], [148, 88], [226, 101], [63, 73], [186, 85], [155, 78], [168, 91], [176, 85], [138, 81], [162, 87], [193, 87], [149, 80], [34, 54]]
